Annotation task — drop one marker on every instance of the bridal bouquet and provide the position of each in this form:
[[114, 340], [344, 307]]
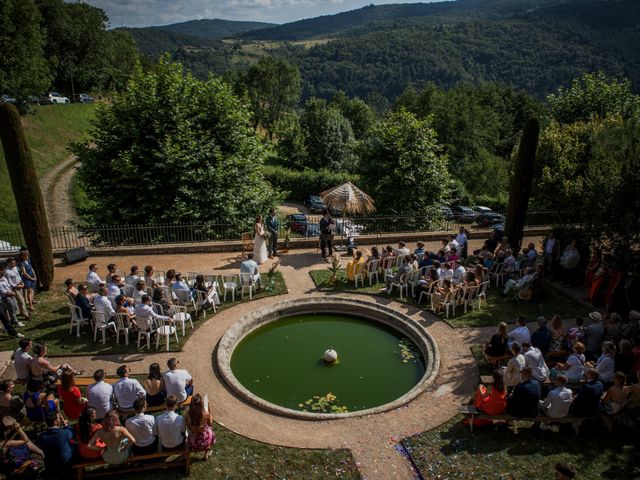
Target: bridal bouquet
[[266, 236]]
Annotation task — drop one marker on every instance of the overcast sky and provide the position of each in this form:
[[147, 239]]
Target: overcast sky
[[142, 13]]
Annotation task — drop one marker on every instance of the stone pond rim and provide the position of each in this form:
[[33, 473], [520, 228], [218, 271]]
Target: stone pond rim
[[374, 312]]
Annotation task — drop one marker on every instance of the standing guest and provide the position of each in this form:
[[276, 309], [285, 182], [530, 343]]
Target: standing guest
[[573, 368], [28, 277], [462, 240], [564, 471], [154, 386], [199, 423], [15, 280], [57, 443], [22, 360], [93, 279], [70, 289], [558, 401], [100, 395], [273, 226], [178, 383], [126, 390], [594, 264], [117, 440], [541, 338], [73, 401], [594, 336], [498, 344], [586, 402], [141, 427], [535, 361], [512, 375], [520, 333], [616, 397], [86, 428], [134, 277], [8, 307], [551, 249], [170, 427], [84, 301], [525, 398], [326, 234]]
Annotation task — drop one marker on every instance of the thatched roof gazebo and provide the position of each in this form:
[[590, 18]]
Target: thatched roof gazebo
[[348, 198]]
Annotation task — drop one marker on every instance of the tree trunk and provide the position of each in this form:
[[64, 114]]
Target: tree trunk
[[521, 183], [26, 190]]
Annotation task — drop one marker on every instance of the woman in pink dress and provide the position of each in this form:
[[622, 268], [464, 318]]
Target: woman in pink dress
[[199, 421]]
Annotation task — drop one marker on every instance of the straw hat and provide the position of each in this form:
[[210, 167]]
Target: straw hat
[[596, 316], [634, 315]]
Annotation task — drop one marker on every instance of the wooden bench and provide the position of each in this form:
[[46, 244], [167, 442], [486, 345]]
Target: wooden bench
[[473, 412], [86, 381], [160, 408], [153, 461], [495, 360]]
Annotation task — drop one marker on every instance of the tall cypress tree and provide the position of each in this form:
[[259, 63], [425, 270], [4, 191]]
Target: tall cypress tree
[[26, 189], [521, 182]]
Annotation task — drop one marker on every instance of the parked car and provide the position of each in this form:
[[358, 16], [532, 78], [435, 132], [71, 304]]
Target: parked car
[[53, 97], [315, 204], [85, 98], [481, 209], [32, 99], [297, 222], [489, 218], [8, 99], [447, 214], [463, 214], [313, 230]]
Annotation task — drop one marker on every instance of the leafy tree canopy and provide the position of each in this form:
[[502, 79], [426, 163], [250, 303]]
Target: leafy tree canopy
[[173, 149]]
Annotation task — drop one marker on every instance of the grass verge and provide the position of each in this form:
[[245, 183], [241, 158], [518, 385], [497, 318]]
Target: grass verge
[[50, 324]]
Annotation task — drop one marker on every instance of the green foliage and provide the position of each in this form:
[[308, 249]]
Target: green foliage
[[299, 184], [173, 149], [593, 94], [360, 115], [328, 137], [291, 142], [273, 88], [23, 70], [403, 167]]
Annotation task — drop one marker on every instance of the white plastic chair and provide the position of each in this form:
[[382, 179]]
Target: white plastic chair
[[451, 301], [180, 315], [358, 273], [122, 325], [201, 301], [146, 327], [75, 314], [184, 297], [371, 271], [428, 293], [127, 290], [413, 280], [482, 294], [470, 297], [401, 284], [166, 331], [230, 284], [157, 308], [247, 283], [496, 273], [387, 264], [101, 322]]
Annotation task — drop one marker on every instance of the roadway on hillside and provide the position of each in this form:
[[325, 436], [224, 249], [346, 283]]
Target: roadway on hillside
[[55, 191]]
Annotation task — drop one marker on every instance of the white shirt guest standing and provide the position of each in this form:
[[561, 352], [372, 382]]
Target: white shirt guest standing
[[177, 381], [461, 238], [100, 394], [93, 278], [558, 401], [22, 360], [170, 426], [127, 390], [535, 360]]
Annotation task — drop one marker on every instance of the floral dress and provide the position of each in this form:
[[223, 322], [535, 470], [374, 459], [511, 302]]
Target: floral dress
[[202, 439]]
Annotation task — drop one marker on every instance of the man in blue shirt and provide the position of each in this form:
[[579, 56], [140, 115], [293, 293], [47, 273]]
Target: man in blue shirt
[[249, 271], [273, 225], [57, 443], [525, 398], [541, 338], [586, 402]]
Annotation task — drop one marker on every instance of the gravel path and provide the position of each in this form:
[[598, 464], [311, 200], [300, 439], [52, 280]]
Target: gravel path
[[55, 190]]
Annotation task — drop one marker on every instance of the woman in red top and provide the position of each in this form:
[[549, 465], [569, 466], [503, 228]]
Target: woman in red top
[[74, 403], [492, 400], [85, 428]]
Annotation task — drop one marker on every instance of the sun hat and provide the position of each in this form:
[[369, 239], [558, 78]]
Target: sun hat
[[595, 316], [634, 315]]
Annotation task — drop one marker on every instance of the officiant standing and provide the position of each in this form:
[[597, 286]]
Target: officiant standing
[[273, 225]]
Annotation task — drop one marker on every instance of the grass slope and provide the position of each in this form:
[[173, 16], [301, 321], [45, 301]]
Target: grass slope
[[49, 132]]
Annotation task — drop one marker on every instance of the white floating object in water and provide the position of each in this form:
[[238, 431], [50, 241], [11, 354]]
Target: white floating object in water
[[330, 355]]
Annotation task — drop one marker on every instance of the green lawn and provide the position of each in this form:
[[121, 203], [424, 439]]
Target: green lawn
[[50, 324], [49, 132]]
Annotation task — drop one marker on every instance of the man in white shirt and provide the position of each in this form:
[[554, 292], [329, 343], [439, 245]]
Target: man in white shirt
[[402, 249], [134, 277], [93, 278], [141, 427], [461, 238], [458, 275], [127, 390], [22, 360], [178, 383], [453, 243], [15, 280], [521, 333], [102, 303], [100, 395], [558, 401], [9, 306], [534, 359], [144, 311], [446, 273], [526, 279], [170, 427], [250, 267]]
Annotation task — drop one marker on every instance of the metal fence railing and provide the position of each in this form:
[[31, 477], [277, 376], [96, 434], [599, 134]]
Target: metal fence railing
[[64, 237]]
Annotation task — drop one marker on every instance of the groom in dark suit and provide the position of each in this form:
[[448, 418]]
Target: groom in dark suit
[[273, 225]]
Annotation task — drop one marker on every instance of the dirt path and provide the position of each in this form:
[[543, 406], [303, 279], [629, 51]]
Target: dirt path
[[55, 190]]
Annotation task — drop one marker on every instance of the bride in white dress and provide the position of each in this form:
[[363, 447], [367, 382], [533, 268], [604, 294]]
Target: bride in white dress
[[259, 243]]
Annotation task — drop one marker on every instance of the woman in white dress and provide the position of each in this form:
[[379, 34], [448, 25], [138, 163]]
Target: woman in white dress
[[259, 243]]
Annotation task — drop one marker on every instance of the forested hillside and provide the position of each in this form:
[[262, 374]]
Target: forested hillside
[[214, 29]]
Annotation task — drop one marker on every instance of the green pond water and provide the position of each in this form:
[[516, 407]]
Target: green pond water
[[281, 362]]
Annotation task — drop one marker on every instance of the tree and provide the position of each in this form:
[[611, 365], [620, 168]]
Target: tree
[[291, 148], [26, 189], [171, 148], [328, 137], [23, 69], [521, 183], [273, 86], [360, 115], [402, 165]]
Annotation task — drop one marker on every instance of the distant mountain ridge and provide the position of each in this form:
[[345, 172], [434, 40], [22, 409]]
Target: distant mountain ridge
[[214, 29]]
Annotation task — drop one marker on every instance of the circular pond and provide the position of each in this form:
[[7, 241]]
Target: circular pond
[[274, 358]]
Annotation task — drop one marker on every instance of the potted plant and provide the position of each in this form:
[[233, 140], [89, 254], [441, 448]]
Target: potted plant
[[335, 266]]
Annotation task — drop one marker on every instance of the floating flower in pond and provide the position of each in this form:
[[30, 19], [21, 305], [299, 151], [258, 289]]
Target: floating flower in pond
[[323, 404], [408, 351]]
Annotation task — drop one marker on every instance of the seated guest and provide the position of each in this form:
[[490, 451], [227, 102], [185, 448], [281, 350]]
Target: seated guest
[[144, 313], [356, 264], [93, 279], [515, 365], [177, 383], [134, 277], [447, 272], [22, 360], [558, 400], [524, 400], [458, 275], [73, 403], [390, 278], [453, 256], [480, 272], [148, 276], [154, 386], [250, 267], [170, 427], [83, 300], [520, 333], [86, 427], [103, 304], [99, 395], [616, 397], [179, 283], [38, 404], [10, 404], [199, 423], [519, 284], [558, 336], [576, 333], [532, 255], [116, 439], [42, 369], [170, 278], [573, 368], [141, 427], [17, 450], [541, 338], [126, 390], [160, 298], [122, 306], [441, 294], [534, 359], [413, 260], [624, 357], [470, 279], [402, 249], [70, 289], [211, 293], [633, 394], [375, 255], [497, 346], [57, 443], [113, 288], [419, 250], [605, 364], [111, 272], [586, 402], [141, 289], [492, 400]]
